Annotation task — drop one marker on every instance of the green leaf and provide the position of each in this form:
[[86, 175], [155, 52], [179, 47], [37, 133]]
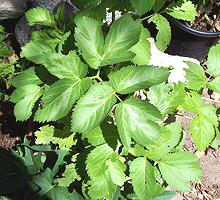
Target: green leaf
[[167, 195], [6, 69], [40, 16], [35, 51], [124, 33], [158, 5], [135, 119], [164, 32], [65, 66], [214, 60], [105, 133], [195, 76], [116, 172], [26, 77], [104, 172], [209, 112], [94, 136], [202, 132], [193, 102], [96, 160], [215, 84], [25, 98], [142, 178], [166, 97], [90, 40], [47, 134], [5, 50], [169, 138], [142, 49], [178, 169], [187, 11], [82, 4], [59, 98], [44, 182], [142, 6], [69, 176], [132, 78], [93, 107]]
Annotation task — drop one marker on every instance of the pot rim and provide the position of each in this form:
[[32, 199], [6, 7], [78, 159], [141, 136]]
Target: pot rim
[[190, 30]]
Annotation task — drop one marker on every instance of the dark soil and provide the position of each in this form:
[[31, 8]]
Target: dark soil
[[208, 18], [11, 131]]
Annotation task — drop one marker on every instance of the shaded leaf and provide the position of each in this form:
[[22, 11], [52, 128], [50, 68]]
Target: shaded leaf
[[142, 6]]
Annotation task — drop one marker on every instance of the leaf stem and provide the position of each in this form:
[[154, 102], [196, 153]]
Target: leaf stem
[[147, 17], [118, 97], [97, 76]]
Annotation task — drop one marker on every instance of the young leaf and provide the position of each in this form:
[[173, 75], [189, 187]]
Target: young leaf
[[60, 97], [166, 97], [169, 138], [96, 160], [142, 6], [124, 33], [142, 49], [209, 112], [135, 119], [193, 102], [104, 172], [65, 66], [94, 136], [133, 78], [69, 176], [90, 40], [178, 169], [5, 49], [164, 32], [214, 60], [44, 182], [215, 84], [25, 98], [187, 11], [40, 16], [142, 178], [26, 77], [35, 51], [93, 107], [47, 134], [195, 76], [202, 132], [116, 172]]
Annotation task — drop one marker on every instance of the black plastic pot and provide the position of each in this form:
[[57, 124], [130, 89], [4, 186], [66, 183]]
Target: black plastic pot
[[189, 42]]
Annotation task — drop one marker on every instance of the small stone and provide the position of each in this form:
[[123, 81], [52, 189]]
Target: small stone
[[10, 9], [49, 4], [23, 31]]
